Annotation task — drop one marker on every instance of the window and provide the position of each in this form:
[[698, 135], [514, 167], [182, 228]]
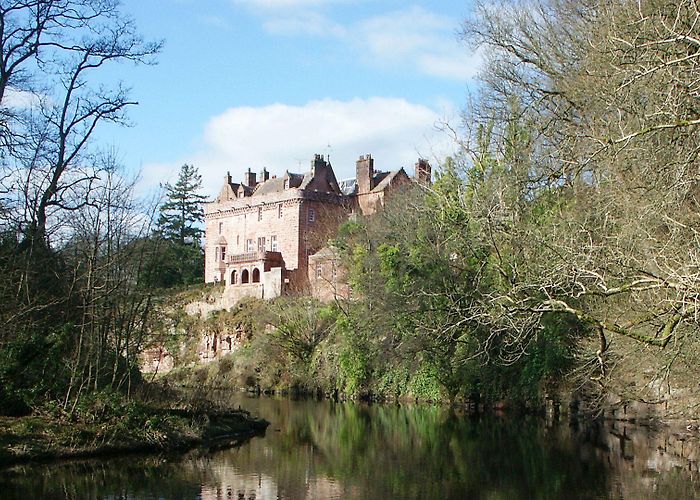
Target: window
[[238, 240], [256, 275], [221, 227], [312, 215], [223, 253], [261, 244], [273, 243], [279, 211], [245, 277], [218, 250], [259, 213], [249, 245], [233, 277], [319, 271]]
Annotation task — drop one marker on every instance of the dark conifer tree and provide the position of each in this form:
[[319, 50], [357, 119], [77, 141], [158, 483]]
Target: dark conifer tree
[[182, 214], [180, 259]]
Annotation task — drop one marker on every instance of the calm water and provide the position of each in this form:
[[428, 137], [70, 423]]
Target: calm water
[[328, 450]]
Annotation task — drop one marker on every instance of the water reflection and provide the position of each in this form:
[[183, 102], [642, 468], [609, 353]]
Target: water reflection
[[336, 450]]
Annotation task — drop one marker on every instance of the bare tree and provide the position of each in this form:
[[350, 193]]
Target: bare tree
[[603, 224], [69, 252]]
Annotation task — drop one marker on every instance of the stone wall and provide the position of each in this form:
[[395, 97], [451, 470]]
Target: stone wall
[[327, 278], [274, 218]]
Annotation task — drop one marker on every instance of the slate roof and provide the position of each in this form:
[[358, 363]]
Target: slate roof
[[383, 179], [348, 186], [276, 185], [325, 252], [380, 180]]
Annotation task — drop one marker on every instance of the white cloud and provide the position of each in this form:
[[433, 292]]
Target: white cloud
[[450, 65], [304, 23], [21, 99], [283, 137], [418, 38], [412, 39]]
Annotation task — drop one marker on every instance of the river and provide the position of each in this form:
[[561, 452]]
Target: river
[[321, 449]]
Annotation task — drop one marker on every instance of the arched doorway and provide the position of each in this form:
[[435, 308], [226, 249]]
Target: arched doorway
[[245, 277], [256, 275]]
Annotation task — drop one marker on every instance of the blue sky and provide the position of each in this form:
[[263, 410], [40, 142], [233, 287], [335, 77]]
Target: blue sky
[[253, 83]]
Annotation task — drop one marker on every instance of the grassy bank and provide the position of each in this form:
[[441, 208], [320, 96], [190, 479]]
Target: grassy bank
[[106, 423]]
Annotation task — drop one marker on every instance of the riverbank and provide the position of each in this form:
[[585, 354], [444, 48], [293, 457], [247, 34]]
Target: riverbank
[[261, 346], [137, 429], [561, 407]]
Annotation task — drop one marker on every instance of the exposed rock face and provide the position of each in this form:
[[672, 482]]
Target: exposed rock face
[[156, 360]]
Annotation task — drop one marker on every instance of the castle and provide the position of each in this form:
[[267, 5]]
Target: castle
[[267, 236]]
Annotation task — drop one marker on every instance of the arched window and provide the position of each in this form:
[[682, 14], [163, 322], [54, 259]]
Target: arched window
[[256, 275], [245, 276], [233, 277]]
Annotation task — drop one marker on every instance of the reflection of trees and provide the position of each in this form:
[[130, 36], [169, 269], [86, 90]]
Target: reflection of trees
[[127, 477], [316, 450], [423, 452]]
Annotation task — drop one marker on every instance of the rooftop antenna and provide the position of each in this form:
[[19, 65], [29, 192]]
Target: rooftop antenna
[[328, 155]]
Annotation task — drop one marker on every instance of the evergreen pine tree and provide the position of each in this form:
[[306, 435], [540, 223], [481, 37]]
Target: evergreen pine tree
[[180, 259], [182, 212]]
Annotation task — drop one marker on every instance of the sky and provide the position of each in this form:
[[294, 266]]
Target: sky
[[269, 83]]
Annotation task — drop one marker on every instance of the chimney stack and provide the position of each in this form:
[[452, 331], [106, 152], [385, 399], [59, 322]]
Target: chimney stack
[[365, 174], [264, 175], [423, 173], [317, 164], [249, 178]]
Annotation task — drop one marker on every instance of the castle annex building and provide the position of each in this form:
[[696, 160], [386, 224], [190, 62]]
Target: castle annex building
[[262, 234]]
